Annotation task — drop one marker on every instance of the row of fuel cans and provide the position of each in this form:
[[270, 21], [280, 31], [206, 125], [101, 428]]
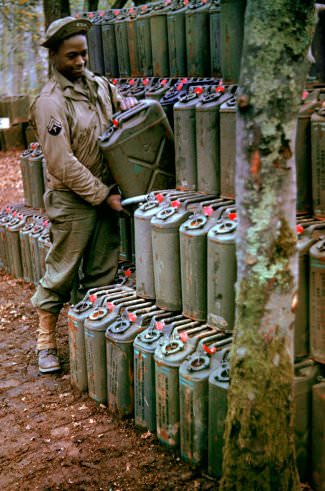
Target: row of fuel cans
[[168, 38], [171, 374]]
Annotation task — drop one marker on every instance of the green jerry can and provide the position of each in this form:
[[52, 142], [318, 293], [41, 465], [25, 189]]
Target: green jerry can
[[95, 326], [306, 373], [122, 47], [25, 176], [139, 149], [44, 244], [222, 272], [44, 169], [133, 42], [13, 244], [36, 177], [109, 43], [193, 253], [119, 355], [144, 346], [3, 240], [25, 251], [159, 88], [217, 412], [33, 236], [176, 33], [138, 91], [168, 358], [317, 300], [318, 162], [232, 15], [215, 38], [193, 397], [228, 148], [95, 43], [318, 436], [208, 138], [166, 251], [198, 38], [144, 41], [307, 235], [159, 39]]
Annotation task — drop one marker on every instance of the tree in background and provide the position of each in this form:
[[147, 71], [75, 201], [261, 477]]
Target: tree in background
[[55, 9]]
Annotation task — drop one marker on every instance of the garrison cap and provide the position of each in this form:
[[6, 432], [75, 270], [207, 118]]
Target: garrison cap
[[62, 28]]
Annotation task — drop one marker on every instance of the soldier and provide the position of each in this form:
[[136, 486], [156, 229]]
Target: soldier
[[82, 201]]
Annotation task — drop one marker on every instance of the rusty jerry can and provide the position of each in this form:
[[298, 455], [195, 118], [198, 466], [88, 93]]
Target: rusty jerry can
[[317, 300], [228, 148], [168, 358], [232, 13], [198, 38], [306, 373], [95, 43], [159, 39], [94, 328], [318, 162], [36, 176], [208, 138], [193, 253], [222, 271], [144, 41], [25, 177], [193, 397], [119, 354], [166, 251], [133, 41], [215, 38], [144, 347], [122, 47], [176, 33], [109, 43], [318, 436], [141, 142]]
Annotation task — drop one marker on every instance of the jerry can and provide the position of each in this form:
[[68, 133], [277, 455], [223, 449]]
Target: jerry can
[[119, 353], [25, 176], [25, 251], [198, 38], [215, 35], [44, 244], [145, 344], [4, 220], [33, 236], [166, 251], [177, 38], [228, 148], [208, 138], [95, 44], [168, 358], [133, 42], [109, 43], [232, 13], [222, 271], [44, 170], [306, 373], [144, 41], [125, 238], [193, 254], [318, 436], [139, 90], [13, 243], [159, 88], [170, 98], [122, 47], [36, 177], [317, 300], [95, 326], [218, 405], [140, 141], [318, 162], [159, 39], [193, 396]]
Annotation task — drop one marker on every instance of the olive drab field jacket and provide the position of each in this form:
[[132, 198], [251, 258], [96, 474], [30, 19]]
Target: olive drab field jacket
[[69, 117]]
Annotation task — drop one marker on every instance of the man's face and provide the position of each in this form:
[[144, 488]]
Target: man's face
[[71, 57]]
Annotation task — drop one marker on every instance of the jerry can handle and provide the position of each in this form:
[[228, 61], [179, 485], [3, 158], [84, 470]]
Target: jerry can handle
[[126, 115]]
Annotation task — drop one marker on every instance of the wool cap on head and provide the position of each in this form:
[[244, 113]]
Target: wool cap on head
[[63, 28]]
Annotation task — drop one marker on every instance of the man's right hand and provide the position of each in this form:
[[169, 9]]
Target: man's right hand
[[114, 202]]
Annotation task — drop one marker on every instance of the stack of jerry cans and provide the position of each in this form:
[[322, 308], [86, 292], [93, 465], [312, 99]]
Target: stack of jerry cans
[[317, 300], [318, 162]]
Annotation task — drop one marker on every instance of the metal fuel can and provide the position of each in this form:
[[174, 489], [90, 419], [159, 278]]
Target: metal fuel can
[[95, 43], [159, 39], [177, 38], [215, 38], [25, 176], [33, 236], [144, 40], [25, 251], [109, 43], [133, 41], [122, 46], [317, 300], [44, 244], [232, 14], [159, 88], [228, 148], [318, 436], [318, 162], [198, 38], [13, 244], [36, 178]]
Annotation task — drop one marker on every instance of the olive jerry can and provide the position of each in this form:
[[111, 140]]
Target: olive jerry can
[[318, 162], [109, 43], [198, 38], [25, 251], [94, 328], [317, 300], [168, 359], [166, 251], [35, 258], [193, 255], [145, 343], [232, 14], [228, 148], [208, 138], [119, 353], [125, 238], [159, 39], [144, 41], [13, 244], [44, 244], [25, 176], [36, 177], [176, 33], [95, 44], [159, 88], [318, 437], [218, 405], [122, 47], [307, 235], [3, 240], [215, 38], [222, 272], [193, 397], [142, 144], [133, 42], [306, 373]]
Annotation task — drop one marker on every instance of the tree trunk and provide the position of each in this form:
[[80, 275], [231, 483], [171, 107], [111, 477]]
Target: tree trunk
[[55, 9], [259, 451]]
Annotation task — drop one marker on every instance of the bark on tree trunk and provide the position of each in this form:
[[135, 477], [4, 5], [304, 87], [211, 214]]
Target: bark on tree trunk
[[259, 451], [55, 9]]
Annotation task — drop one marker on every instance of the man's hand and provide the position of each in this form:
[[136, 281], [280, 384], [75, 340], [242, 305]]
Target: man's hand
[[128, 102], [114, 202]]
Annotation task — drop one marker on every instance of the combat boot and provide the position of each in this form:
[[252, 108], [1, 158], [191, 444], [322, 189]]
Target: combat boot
[[48, 360]]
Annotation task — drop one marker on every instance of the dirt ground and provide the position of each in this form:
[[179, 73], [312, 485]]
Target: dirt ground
[[52, 437]]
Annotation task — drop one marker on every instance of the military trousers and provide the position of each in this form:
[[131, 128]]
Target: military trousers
[[84, 249]]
